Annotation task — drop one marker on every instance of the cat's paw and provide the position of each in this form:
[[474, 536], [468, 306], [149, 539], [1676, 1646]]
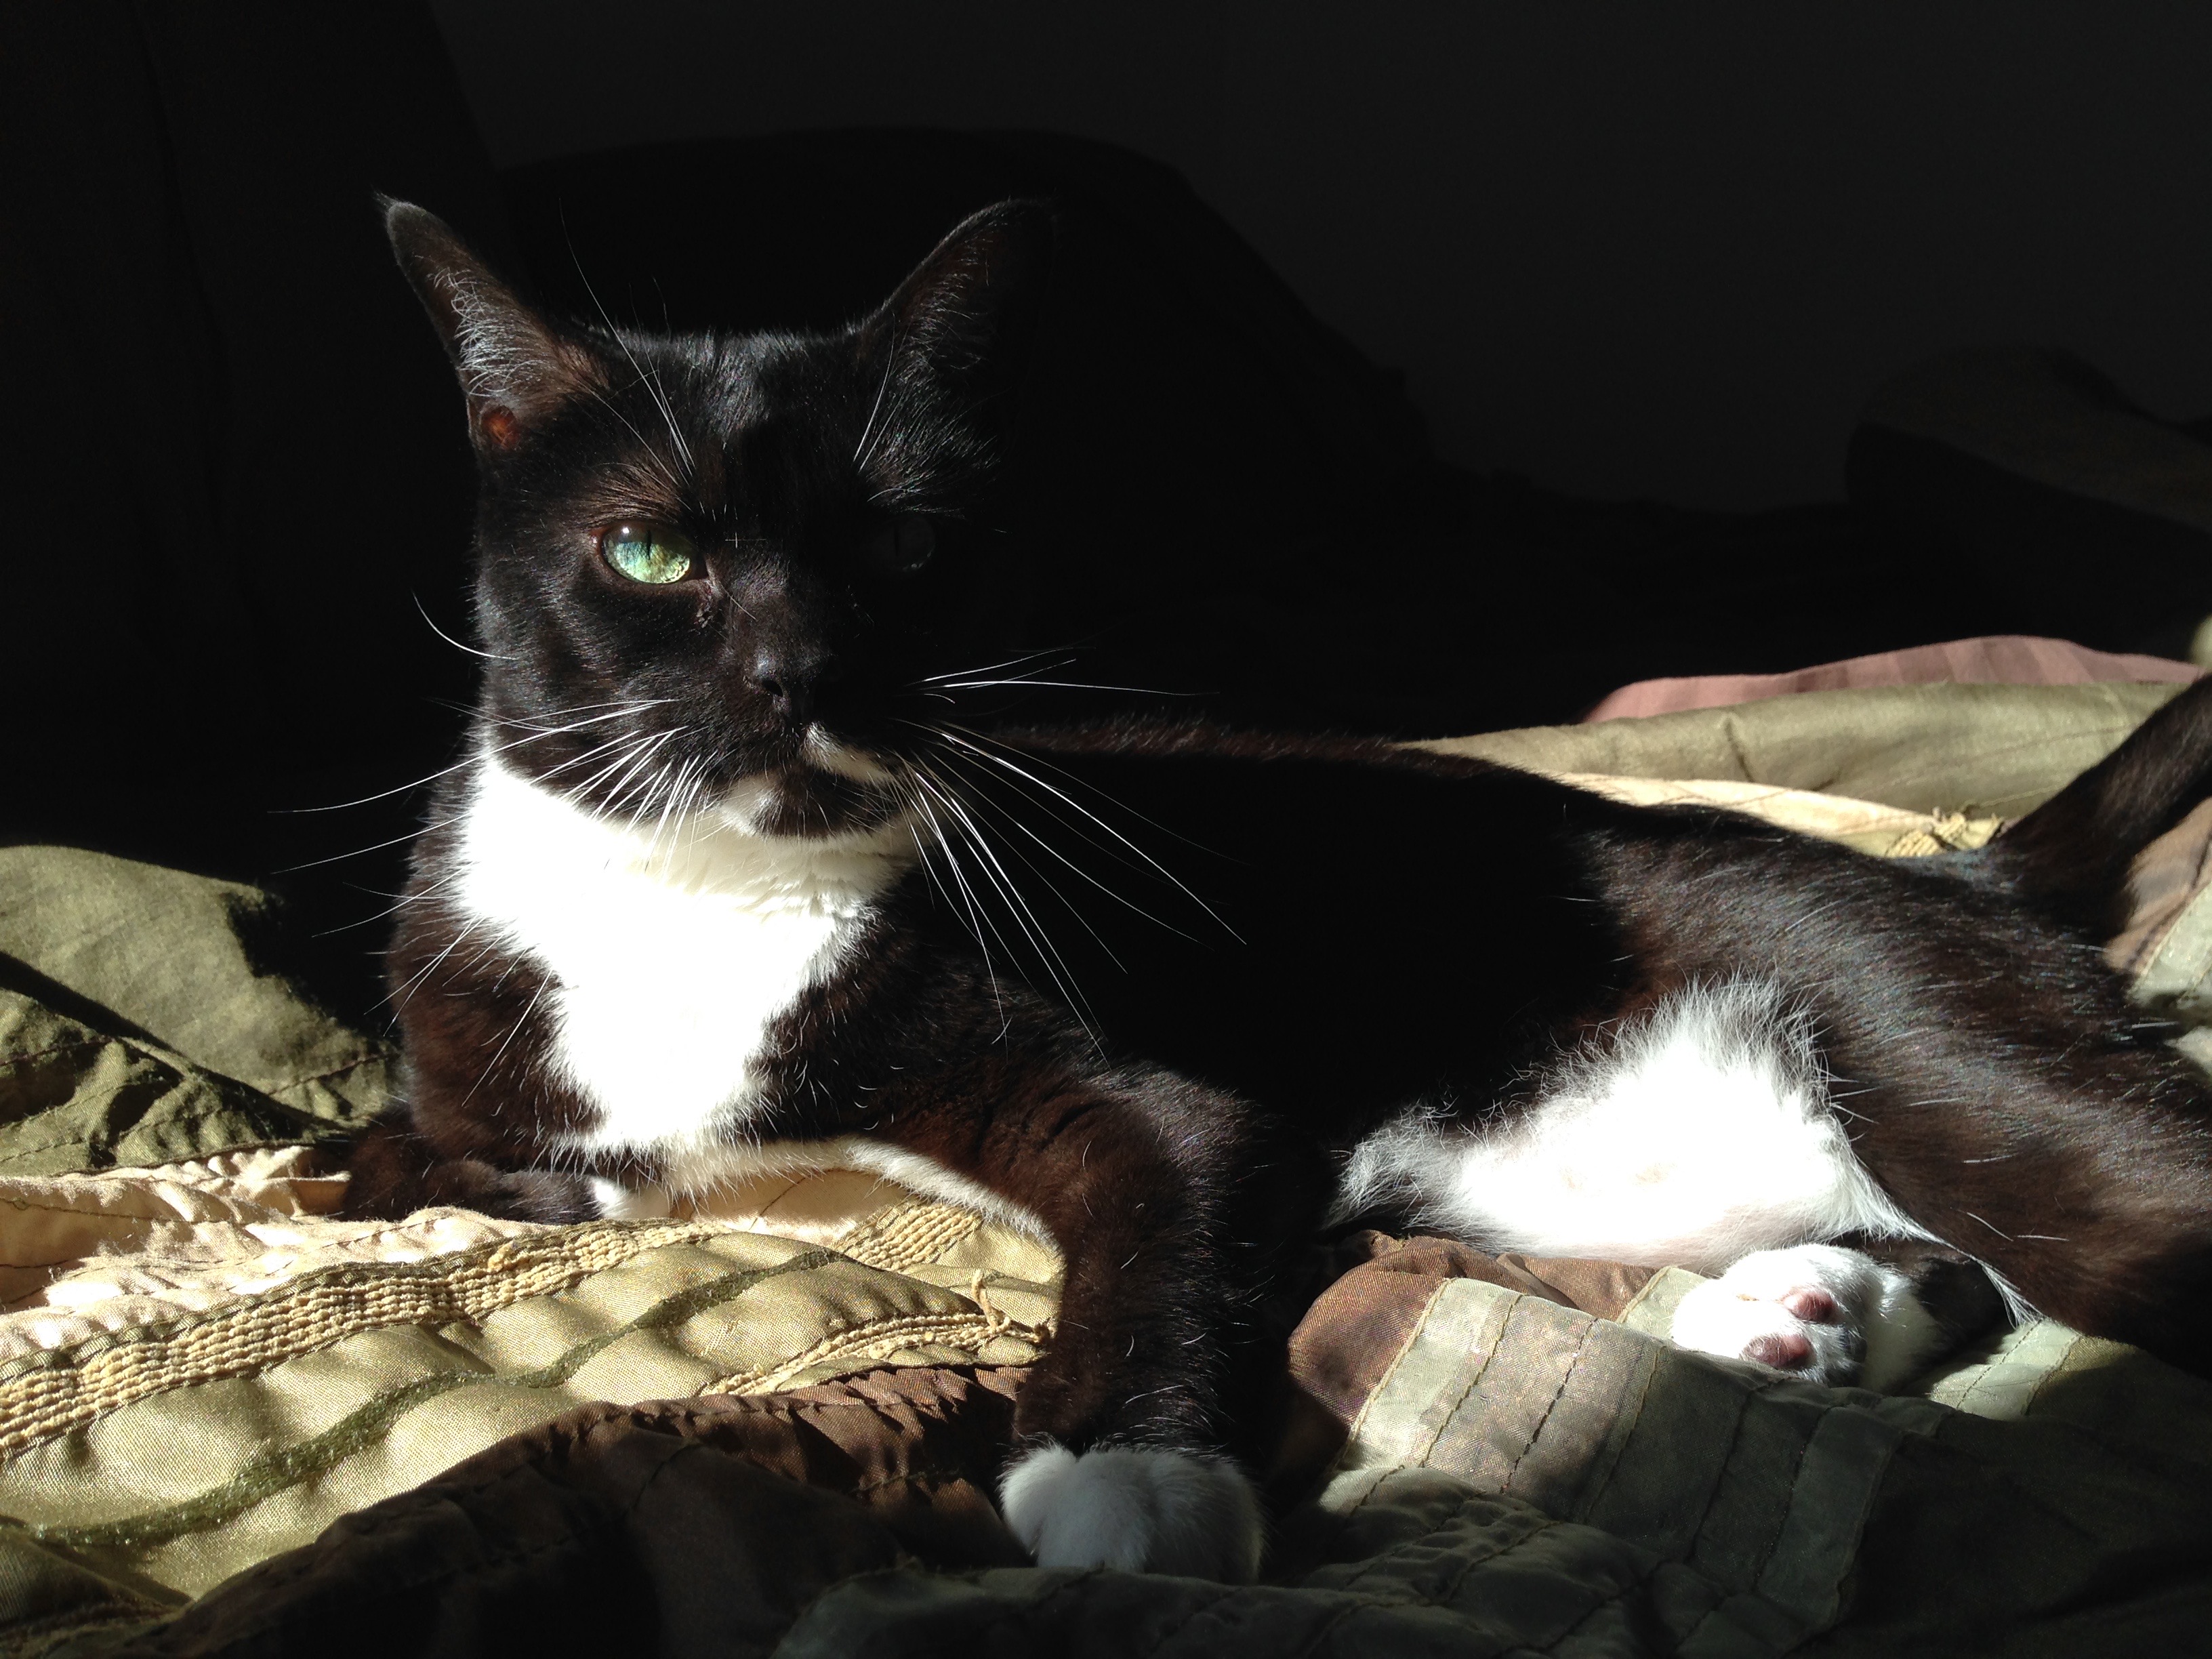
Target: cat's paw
[[1135, 1509], [1816, 1311]]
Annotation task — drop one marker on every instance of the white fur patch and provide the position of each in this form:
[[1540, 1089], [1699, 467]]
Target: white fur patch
[[832, 755], [671, 948], [1878, 1335], [619, 1203], [1136, 1511], [1691, 1137]]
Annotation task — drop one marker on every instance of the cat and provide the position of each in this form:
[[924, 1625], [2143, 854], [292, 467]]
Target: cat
[[736, 874]]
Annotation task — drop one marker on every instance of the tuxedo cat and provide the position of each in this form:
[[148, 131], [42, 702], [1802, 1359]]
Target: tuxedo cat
[[737, 874]]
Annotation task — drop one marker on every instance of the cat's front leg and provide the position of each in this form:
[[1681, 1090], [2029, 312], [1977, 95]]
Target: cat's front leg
[[392, 1171], [1134, 1508], [1159, 1197]]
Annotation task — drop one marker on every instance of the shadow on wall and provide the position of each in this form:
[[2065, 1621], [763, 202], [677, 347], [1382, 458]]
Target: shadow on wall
[[1627, 252], [250, 483]]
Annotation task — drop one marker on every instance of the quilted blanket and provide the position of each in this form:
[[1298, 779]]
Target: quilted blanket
[[230, 1424]]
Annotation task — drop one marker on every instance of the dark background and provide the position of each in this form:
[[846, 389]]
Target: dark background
[[1406, 369], [1632, 250]]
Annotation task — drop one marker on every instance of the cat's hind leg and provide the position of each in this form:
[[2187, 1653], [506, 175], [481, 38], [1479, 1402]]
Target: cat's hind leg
[[1828, 1315], [1691, 1135], [1838, 1316]]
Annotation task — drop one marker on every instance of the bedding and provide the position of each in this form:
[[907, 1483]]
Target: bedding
[[1999, 660], [230, 1424]]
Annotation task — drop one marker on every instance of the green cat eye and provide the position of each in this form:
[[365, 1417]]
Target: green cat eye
[[649, 552]]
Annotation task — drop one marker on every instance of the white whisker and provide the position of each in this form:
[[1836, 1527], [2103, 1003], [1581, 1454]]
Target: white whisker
[[487, 656], [1061, 795], [1025, 917]]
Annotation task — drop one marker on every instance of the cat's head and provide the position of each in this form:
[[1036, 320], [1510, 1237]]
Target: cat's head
[[736, 572]]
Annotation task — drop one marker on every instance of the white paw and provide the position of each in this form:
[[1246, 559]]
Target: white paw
[[1139, 1511], [1817, 1311], [619, 1203]]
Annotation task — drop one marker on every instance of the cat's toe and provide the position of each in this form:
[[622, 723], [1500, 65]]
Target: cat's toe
[[1135, 1509], [1785, 1350], [1817, 1311]]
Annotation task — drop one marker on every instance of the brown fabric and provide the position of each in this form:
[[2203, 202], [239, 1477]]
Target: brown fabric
[[1383, 1288], [1994, 659], [1507, 1474], [694, 1527], [1356, 1327], [708, 1525]]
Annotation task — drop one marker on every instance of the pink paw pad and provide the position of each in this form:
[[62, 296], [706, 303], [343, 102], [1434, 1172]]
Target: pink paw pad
[[1801, 1311], [1810, 1304], [1786, 1350]]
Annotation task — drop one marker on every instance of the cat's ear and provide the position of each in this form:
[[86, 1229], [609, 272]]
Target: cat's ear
[[977, 288], [516, 368]]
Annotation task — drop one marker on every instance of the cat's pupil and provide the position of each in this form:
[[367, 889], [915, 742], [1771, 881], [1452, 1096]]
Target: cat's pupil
[[904, 545], [648, 553]]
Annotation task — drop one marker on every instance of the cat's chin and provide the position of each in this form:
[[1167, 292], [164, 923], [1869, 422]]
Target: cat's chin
[[810, 802], [824, 752]]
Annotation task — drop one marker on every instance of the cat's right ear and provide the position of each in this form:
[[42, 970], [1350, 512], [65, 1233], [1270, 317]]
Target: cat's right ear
[[516, 368], [962, 310]]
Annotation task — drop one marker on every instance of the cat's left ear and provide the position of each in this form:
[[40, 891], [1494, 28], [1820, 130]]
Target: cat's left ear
[[515, 367], [962, 306]]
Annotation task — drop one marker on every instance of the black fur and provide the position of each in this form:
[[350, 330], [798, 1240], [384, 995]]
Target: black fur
[[1179, 972]]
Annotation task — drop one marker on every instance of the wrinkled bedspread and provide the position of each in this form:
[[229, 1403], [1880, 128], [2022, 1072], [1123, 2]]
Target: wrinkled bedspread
[[229, 1423]]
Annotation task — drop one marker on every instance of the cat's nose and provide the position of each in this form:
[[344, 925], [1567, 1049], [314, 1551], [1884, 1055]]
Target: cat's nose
[[792, 682]]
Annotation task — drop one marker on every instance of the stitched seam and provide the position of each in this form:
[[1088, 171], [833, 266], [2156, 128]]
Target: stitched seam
[[79, 1211], [54, 1394], [263, 1478], [1451, 1591], [1612, 1599], [1353, 1604], [1559, 1392], [1222, 1594], [1720, 1476], [1359, 1417], [365, 1058], [629, 1510], [1774, 1540], [39, 1634], [1796, 1474], [180, 1115], [435, 1269], [1466, 1501], [1027, 1614], [62, 1048]]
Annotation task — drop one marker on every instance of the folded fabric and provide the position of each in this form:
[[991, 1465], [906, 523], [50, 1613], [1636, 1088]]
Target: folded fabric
[[201, 1371], [1994, 659], [1502, 1471]]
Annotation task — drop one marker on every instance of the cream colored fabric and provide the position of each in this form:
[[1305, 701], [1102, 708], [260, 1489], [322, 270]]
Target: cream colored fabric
[[199, 1367], [1891, 831], [1982, 750], [248, 1430], [1529, 1479], [207, 1371]]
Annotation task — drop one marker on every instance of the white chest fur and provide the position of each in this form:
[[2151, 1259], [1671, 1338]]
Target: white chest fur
[[671, 949]]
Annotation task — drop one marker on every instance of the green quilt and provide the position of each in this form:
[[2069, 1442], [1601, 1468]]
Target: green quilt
[[1519, 1476]]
